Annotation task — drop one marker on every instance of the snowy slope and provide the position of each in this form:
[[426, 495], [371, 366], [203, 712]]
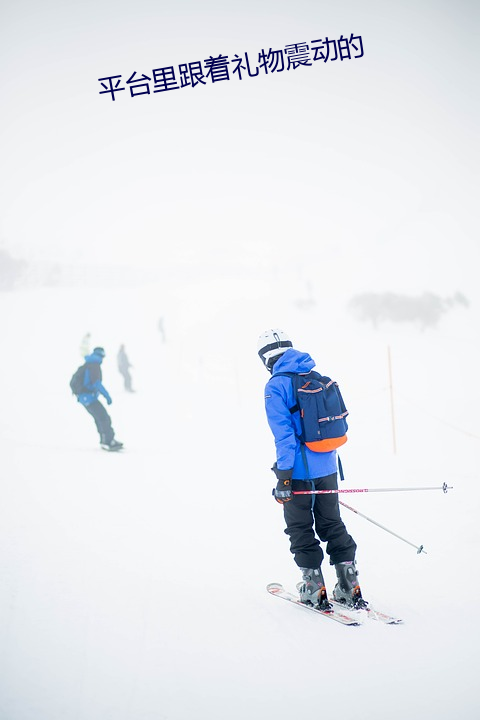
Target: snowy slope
[[116, 569]]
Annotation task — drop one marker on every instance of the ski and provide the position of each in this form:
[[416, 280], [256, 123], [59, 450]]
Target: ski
[[371, 613], [336, 613]]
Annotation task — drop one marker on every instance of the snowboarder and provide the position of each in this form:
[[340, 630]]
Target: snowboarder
[[123, 364], [88, 397], [308, 518]]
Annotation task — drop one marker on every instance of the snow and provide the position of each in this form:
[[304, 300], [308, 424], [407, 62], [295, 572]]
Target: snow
[[133, 584]]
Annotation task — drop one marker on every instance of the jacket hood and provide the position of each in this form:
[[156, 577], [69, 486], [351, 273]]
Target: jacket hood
[[293, 361], [93, 358]]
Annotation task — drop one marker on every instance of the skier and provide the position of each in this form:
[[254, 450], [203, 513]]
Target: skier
[[123, 364], [85, 345], [88, 397], [161, 329], [308, 518]]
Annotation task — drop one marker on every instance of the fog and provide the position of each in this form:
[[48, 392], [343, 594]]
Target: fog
[[336, 200], [370, 162]]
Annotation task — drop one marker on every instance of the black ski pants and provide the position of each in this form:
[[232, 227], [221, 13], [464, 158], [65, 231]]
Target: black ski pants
[[310, 517], [102, 421]]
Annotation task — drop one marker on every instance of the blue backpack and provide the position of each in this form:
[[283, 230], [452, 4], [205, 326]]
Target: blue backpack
[[322, 411]]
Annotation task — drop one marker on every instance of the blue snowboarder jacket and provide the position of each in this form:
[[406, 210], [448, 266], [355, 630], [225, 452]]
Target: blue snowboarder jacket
[[93, 381], [286, 427]]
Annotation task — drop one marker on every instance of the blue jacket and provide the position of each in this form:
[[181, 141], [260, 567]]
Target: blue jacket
[[285, 426], [93, 381]]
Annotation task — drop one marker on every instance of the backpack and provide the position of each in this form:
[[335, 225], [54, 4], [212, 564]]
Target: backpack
[[78, 378], [322, 411]]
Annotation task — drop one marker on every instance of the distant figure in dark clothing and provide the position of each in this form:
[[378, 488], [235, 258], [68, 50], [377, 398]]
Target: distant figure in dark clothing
[[88, 397], [123, 366]]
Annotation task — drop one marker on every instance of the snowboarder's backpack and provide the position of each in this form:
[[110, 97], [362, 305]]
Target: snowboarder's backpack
[[322, 411], [78, 378]]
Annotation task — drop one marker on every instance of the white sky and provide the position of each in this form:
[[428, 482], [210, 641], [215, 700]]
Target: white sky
[[372, 162]]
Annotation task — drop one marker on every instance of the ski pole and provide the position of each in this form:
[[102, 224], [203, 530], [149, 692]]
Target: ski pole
[[443, 487], [419, 548]]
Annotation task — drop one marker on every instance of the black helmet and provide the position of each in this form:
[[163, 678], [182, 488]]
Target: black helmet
[[99, 351]]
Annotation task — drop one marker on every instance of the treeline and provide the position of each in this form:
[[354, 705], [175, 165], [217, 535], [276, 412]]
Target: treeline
[[425, 309]]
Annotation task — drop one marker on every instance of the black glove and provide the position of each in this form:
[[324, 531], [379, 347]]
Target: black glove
[[282, 474], [283, 492]]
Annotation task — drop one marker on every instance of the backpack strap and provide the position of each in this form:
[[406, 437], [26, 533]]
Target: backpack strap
[[293, 377]]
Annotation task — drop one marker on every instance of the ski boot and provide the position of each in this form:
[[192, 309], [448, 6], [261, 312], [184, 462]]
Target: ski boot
[[347, 590], [312, 589]]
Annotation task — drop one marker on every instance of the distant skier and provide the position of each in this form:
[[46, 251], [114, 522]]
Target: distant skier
[[161, 329], [124, 366], [87, 385], [300, 468], [85, 345]]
